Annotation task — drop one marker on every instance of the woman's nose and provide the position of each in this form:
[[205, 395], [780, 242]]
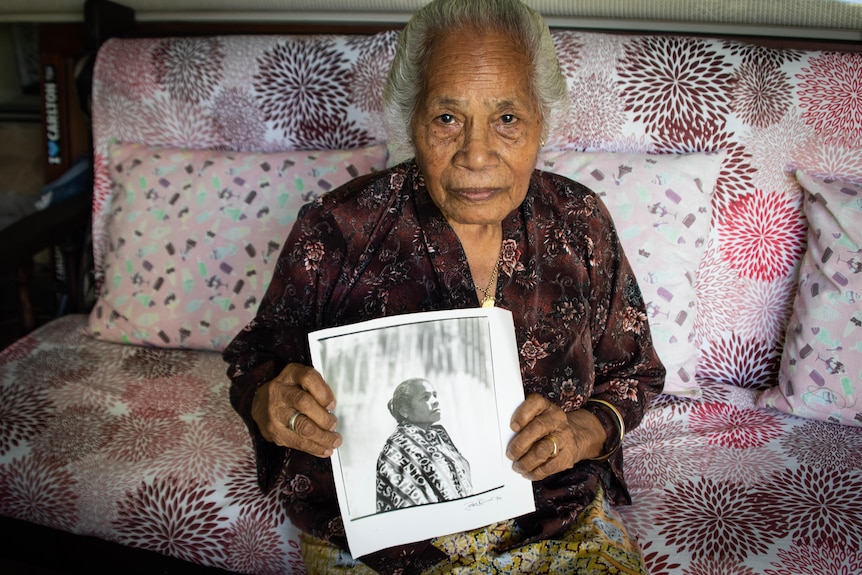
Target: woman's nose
[[476, 150]]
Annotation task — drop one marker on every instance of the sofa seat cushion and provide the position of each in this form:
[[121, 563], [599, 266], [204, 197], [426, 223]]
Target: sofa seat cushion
[[722, 486], [136, 445], [140, 446]]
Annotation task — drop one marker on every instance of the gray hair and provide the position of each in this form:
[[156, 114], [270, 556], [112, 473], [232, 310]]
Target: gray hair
[[402, 396], [407, 80]]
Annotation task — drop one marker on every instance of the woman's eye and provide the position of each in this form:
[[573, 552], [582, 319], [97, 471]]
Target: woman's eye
[[446, 118], [507, 118]]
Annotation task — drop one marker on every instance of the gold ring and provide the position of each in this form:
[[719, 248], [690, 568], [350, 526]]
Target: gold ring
[[554, 441], [292, 422]]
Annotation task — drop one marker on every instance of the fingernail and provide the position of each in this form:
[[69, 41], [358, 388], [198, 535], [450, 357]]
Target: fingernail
[[515, 427]]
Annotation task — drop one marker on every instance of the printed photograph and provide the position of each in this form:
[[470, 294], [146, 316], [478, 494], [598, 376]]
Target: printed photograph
[[417, 411]]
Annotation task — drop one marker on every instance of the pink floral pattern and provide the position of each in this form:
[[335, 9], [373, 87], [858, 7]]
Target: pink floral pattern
[[174, 518], [816, 560], [762, 235], [829, 90], [253, 547], [719, 486], [303, 86], [716, 519], [675, 84], [21, 414], [188, 68], [761, 95], [739, 362]]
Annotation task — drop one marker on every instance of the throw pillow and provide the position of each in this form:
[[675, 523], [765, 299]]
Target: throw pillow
[[661, 205], [193, 236], [820, 375]]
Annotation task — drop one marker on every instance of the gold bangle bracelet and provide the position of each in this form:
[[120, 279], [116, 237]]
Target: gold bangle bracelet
[[609, 407]]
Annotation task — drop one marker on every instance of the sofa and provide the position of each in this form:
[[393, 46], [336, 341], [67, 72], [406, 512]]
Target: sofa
[[733, 172]]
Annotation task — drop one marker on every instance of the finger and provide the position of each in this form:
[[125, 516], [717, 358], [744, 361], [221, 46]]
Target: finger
[[542, 455], [312, 439], [305, 435], [302, 389], [546, 469], [545, 418], [532, 405], [311, 380]]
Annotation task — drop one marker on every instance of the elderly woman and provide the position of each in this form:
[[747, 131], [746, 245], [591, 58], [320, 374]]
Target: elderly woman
[[419, 463], [473, 90]]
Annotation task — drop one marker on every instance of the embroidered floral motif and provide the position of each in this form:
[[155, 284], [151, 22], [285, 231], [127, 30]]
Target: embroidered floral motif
[[634, 320], [532, 351], [314, 252], [298, 487], [625, 388], [510, 256]]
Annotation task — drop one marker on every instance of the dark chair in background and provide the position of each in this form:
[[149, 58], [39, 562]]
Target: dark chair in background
[[62, 226]]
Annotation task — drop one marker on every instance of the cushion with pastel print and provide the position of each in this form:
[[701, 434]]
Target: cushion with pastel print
[[193, 236], [820, 374], [661, 205]]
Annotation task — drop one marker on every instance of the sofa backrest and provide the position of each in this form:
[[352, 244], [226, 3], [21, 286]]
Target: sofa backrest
[[770, 111], [242, 93]]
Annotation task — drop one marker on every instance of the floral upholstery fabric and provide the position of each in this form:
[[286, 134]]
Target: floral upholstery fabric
[[719, 485]]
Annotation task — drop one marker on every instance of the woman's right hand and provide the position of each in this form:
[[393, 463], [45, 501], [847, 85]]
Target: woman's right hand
[[297, 389]]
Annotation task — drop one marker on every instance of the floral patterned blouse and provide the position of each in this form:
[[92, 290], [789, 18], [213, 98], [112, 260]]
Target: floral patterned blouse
[[379, 246]]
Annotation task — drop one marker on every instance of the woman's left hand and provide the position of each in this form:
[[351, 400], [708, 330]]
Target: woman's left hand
[[549, 440]]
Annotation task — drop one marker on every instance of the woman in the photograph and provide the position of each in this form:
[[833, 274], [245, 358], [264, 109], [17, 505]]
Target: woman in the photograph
[[419, 463]]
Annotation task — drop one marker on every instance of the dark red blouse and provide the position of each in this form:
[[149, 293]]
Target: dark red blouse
[[379, 246]]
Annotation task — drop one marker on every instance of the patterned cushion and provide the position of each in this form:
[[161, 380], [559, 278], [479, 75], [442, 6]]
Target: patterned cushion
[[661, 207], [820, 375], [194, 235]]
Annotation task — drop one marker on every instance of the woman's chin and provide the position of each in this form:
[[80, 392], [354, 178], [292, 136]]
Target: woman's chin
[[477, 215]]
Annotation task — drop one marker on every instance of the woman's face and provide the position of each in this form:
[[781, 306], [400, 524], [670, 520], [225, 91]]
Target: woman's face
[[477, 127], [423, 408]]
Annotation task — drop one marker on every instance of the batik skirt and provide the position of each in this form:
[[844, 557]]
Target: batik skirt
[[598, 543]]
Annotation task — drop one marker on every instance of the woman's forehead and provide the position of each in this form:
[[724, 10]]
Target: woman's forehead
[[463, 66], [422, 387]]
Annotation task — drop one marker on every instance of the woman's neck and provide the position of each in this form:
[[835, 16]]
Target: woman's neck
[[482, 247]]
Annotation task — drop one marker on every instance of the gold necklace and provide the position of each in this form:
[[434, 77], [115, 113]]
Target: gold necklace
[[490, 296]]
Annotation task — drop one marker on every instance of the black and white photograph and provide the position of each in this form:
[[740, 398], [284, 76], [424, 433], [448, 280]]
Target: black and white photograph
[[419, 407]]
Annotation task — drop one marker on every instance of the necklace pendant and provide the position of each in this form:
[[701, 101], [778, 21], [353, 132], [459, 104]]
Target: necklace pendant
[[488, 302]]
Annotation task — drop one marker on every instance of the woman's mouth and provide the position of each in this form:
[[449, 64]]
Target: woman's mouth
[[477, 194]]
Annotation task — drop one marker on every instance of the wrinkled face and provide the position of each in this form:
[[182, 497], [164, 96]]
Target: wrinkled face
[[477, 127], [423, 409]]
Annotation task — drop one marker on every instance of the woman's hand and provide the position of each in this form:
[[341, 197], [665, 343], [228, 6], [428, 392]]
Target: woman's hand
[[549, 440], [297, 393]]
